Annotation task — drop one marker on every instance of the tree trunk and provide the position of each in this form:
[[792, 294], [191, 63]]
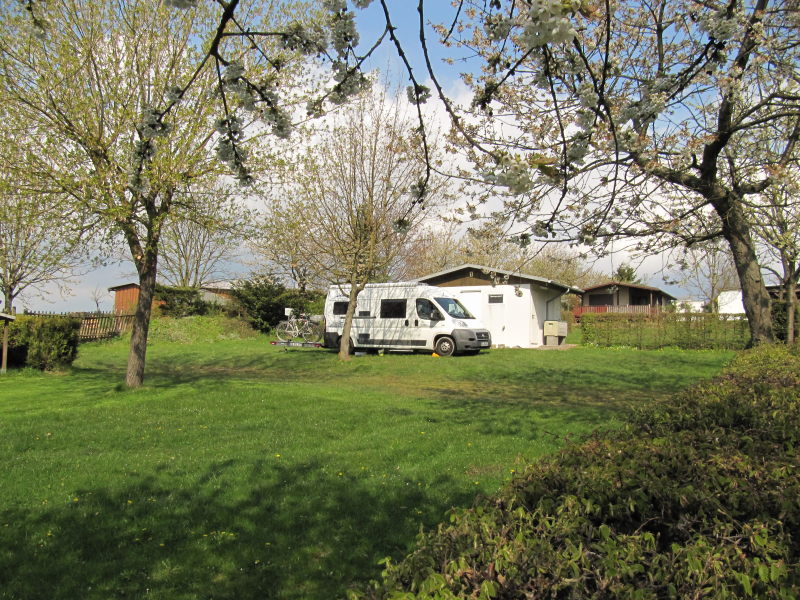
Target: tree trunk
[[344, 343], [141, 320], [754, 294], [791, 307]]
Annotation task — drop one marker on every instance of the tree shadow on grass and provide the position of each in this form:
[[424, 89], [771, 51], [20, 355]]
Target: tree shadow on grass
[[285, 533], [195, 364], [541, 404]]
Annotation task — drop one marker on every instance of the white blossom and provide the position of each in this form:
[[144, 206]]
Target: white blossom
[[545, 22], [418, 94], [512, 172]]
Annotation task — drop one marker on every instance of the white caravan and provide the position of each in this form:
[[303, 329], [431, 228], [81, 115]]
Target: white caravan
[[405, 316]]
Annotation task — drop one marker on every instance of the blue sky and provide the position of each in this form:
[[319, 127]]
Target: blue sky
[[405, 18]]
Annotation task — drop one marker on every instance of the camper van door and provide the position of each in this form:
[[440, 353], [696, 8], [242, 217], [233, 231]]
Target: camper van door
[[427, 316]]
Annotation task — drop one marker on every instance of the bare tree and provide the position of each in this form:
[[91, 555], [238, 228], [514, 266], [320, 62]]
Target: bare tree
[[283, 246], [707, 269], [199, 247], [354, 197], [777, 226]]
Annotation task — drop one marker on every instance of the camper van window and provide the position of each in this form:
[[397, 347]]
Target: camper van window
[[426, 310], [495, 298], [454, 308], [340, 308], [393, 309]]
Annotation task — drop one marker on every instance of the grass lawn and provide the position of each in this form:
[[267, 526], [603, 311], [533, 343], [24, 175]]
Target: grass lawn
[[245, 471]]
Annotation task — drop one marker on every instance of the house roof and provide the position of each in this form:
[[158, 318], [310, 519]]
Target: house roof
[[218, 286], [123, 286], [629, 285], [486, 270]]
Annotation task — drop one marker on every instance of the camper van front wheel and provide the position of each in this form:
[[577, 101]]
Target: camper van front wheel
[[445, 346]]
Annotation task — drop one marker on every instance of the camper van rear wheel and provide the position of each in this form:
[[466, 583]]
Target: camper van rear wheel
[[445, 346]]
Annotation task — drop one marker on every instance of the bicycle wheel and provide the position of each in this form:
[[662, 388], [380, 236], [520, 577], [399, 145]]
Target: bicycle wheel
[[284, 331], [311, 332]]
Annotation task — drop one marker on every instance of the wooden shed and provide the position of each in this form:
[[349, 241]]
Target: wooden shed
[[125, 298]]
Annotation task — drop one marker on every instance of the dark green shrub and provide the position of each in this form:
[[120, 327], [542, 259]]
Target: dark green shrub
[[45, 343], [263, 302], [181, 301], [780, 313], [696, 497]]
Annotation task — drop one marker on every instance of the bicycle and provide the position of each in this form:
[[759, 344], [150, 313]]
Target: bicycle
[[298, 327]]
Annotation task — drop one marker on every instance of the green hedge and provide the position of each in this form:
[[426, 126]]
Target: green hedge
[[45, 343], [263, 302], [682, 330], [698, 497], [780, 313], [181, 301]]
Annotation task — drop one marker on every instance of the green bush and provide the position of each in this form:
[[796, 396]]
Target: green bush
[[44, 343], [181, 301], [263, 302], [691, 331], [696, 497], [780, 312]]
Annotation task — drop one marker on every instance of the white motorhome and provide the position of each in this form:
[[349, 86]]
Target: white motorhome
[[405, 316]]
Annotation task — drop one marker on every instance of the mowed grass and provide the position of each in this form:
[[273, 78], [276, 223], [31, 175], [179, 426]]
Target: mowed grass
[[249, 472]]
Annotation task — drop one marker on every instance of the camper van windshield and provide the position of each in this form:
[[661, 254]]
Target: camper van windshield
[[454, 308]]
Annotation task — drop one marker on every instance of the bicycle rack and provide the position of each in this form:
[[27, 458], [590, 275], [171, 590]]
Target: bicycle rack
[[297, 344]]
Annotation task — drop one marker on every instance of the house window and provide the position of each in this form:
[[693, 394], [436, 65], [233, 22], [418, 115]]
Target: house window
[[601, 300], [495, 298], [340, 308], [393, 309]]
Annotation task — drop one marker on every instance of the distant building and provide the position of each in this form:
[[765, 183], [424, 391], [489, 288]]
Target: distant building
[[623, 297], [730, 301], [694, 306]]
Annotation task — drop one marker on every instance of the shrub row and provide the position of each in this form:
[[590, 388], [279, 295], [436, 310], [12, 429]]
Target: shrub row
[[45, 343], [683, 330], [698, 497]]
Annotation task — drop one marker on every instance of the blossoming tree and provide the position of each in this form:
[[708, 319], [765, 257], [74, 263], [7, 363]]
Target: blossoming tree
[[102, 83], [639, 119]]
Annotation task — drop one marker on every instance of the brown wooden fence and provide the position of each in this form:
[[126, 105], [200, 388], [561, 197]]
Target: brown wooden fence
[[95, 326]]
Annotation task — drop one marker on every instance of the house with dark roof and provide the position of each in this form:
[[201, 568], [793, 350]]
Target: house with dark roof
[[623, 297], [520, 310]]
